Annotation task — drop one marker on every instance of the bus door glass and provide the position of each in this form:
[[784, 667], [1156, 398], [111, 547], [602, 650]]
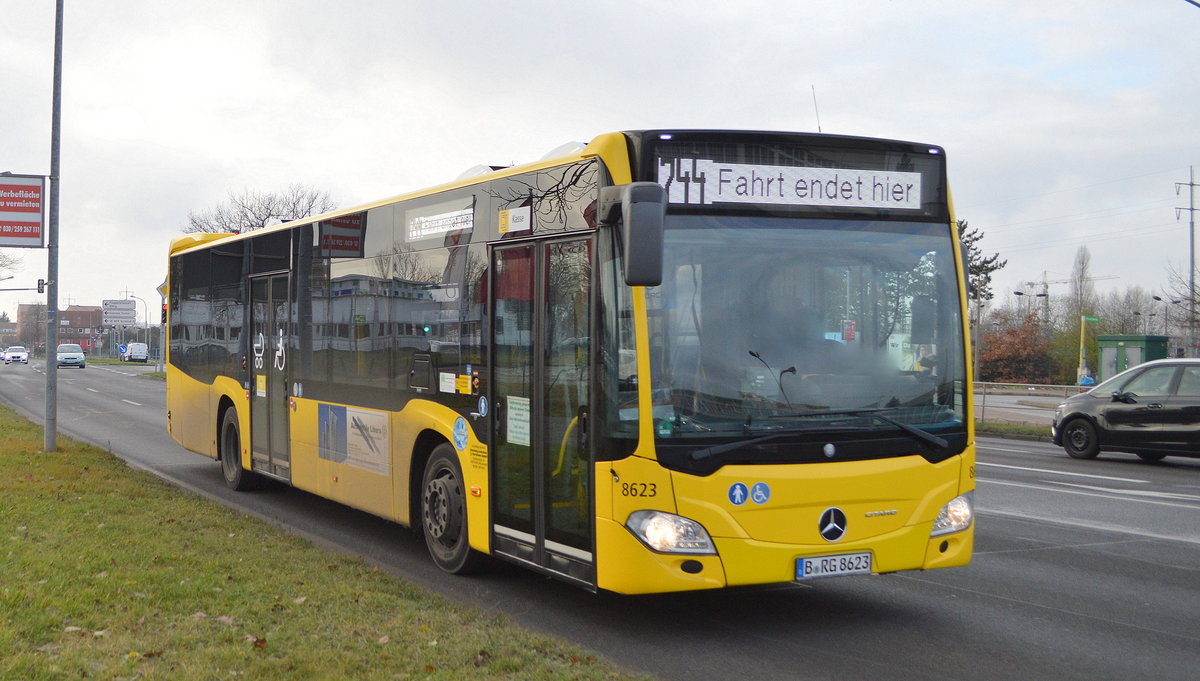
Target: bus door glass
[[270, 338], [541, 475]]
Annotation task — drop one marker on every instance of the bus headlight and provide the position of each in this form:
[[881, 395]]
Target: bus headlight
[[955, 516], [669, 533]]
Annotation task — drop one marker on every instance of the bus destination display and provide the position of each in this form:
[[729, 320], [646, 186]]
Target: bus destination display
[[702, 182]]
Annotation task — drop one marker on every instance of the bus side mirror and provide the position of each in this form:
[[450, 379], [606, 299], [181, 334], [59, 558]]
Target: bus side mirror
[[643, 207]]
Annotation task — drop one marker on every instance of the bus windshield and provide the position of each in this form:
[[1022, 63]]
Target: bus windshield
[[763, 323]]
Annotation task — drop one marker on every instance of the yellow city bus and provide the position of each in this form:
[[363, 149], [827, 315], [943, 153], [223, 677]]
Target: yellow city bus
[[660, 361]]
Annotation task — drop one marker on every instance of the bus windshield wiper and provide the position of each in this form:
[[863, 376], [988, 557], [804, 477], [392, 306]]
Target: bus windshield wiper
[[874, 412], [707, 452]]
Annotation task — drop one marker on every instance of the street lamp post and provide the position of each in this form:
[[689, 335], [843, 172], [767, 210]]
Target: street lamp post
[[146, 309], [1045, 304], [1166, 313], [1146, 323]]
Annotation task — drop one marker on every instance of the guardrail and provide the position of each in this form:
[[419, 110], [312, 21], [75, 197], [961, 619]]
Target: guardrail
[[1027, 403]]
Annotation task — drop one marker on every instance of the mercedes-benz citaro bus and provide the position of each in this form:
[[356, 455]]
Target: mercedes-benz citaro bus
[[660, 361]]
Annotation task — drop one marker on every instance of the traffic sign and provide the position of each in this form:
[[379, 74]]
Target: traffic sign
[[117, 312]]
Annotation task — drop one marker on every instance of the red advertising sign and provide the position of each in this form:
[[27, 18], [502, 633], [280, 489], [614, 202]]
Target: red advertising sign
[[21, 201], [849, 329]]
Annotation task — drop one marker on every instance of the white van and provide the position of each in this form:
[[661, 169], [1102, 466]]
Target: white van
[[135, 352]]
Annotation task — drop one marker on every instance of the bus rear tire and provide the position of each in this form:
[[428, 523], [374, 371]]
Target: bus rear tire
[[229, 446], [444, 513]]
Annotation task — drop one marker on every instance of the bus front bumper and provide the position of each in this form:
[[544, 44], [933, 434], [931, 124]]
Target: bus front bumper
[[627, 566]]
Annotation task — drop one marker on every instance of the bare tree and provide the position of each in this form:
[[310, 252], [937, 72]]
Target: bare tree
[[8, 261], [1083, 292], [1130, 310], [251, 210]]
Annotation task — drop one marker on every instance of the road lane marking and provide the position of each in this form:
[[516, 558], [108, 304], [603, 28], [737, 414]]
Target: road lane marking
[[1053, 472], [1060, 490], [1150, 494], [1004, 449], [136, 404]]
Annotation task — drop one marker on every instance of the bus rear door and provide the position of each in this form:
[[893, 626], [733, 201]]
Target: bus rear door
[[270, 329]]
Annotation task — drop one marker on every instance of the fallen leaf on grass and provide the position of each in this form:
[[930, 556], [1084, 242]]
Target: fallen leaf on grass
[[255, 641], [72, 630], [226, 619], [482, 658], [300, 600], [199, 615], [383, 640]]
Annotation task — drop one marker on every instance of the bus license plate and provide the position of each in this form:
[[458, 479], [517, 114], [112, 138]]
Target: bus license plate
[[834, 566]]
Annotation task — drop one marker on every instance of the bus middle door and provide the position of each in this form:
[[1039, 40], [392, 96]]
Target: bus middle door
[[270, 337]]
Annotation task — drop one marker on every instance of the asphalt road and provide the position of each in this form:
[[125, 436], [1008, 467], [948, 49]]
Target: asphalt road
[[1082, 570]]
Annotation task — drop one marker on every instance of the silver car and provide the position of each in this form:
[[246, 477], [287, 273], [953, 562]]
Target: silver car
[[16, 354], [71, 355]]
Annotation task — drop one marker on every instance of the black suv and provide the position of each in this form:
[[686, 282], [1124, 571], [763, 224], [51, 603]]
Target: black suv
[[1152, 410]]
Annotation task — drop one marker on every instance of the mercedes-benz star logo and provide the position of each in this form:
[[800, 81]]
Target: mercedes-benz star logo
[[832, 524]]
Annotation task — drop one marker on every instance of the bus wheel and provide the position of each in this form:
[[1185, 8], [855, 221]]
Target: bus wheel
[[444, 513], [1079, 439], [237, 478]]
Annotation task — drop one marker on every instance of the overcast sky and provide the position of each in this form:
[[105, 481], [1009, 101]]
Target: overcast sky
[[1065, 122]]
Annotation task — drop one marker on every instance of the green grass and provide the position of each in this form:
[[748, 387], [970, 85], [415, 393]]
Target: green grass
[[110, 573], [1013, 430]]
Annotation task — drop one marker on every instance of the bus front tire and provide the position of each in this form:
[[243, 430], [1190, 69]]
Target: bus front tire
[[237, 478], [444, 513]]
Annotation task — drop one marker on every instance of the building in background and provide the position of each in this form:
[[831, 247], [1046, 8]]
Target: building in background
[[81, 324]]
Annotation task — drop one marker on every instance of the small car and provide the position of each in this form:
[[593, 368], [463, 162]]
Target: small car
[[1151, 410], [71, 355], [16, 354]]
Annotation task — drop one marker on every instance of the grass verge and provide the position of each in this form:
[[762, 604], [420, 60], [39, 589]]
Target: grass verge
[[109, 573], [1014, 430]]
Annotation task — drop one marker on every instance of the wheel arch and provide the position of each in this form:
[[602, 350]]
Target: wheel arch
[[224, 404], [423, 447]]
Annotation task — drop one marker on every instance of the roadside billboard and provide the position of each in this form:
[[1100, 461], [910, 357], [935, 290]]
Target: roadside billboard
[[22, 224]]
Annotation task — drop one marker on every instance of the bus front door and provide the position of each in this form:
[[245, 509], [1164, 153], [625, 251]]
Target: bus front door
[[541, 386], [270, 329]]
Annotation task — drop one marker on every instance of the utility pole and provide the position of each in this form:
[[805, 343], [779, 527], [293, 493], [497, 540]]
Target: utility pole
[[50, 434], [1191, 209]]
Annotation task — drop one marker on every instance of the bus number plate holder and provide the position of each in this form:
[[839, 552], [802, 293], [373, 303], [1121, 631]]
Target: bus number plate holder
[[834, 566]]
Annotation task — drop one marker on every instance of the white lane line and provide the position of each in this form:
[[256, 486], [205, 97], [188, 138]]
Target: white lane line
[[1053, 472], [1115, 495], [1003, 449], [1149, 494], [136, 404]]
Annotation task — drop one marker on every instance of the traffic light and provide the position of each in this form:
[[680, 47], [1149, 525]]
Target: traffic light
[[41, 285], [164, 313]]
